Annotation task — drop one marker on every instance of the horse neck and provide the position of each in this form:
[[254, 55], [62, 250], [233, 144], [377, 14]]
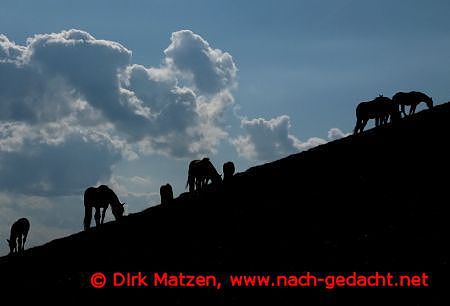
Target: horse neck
[[114, 200], [428, 100], [214, 174], [422, 97]]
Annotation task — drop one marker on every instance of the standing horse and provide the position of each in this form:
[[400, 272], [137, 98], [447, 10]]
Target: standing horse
[[100, 198], [380, 109], [18, 235], [199, 174], [412, 99]]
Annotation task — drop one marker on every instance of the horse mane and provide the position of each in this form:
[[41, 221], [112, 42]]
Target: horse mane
[[215, 174], [114, 199], [420, 94], [382, 98]]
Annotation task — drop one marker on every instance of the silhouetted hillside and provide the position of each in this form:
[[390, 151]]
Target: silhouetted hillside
[[371, 202]]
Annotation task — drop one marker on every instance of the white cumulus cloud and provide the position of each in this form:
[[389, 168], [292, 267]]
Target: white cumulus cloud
[[72, 102], [265, 140]]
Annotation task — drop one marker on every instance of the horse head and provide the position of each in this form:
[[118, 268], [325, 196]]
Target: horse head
[[211, 171], [118, 210]]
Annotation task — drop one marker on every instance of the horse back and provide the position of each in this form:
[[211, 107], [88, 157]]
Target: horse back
[[89, 191], [399, 94], [400, 97], [194, 163], [90, 194], [365, 109], [195, 167], [21, 226], [95, 196], [420, 95], [375, 108]]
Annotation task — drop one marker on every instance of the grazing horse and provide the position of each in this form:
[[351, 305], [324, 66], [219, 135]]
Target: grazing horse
[[166, 194], [100, 198], [412, 99], [199, 174], [380, 109], [18, 236]]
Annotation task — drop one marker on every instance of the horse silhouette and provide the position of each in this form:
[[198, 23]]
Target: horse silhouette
[[100, 198], [199, 174], [228, 170], [166, 193], [411, 99], [18, 236], [381, 109]]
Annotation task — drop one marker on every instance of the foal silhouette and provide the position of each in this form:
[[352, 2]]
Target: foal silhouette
[[100, 198], [18, 236]]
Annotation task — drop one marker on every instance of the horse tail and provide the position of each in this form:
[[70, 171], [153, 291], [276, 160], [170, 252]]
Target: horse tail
[[191, 178], [87, 216]]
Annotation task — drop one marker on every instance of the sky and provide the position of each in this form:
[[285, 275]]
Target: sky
[[126, 93]]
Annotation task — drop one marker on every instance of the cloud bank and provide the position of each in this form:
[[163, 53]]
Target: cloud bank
[[265, 140], [72, 105]]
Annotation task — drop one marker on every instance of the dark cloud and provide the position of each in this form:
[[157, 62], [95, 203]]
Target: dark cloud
[[57, 169]]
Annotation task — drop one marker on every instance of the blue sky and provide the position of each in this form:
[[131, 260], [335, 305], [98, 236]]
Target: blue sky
[[249, 81]]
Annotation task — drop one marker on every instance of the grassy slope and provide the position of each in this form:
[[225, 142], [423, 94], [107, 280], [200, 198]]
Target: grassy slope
[[370, 202]]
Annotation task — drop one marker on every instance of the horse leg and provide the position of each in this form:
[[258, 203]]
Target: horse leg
[[103, 214], [19, 242], [191, 182], [97, 216], [198, 183], [87, 217], [204, 181], [24, 240], [412, 110], [355, 130], [363, 125], [403, 110]]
